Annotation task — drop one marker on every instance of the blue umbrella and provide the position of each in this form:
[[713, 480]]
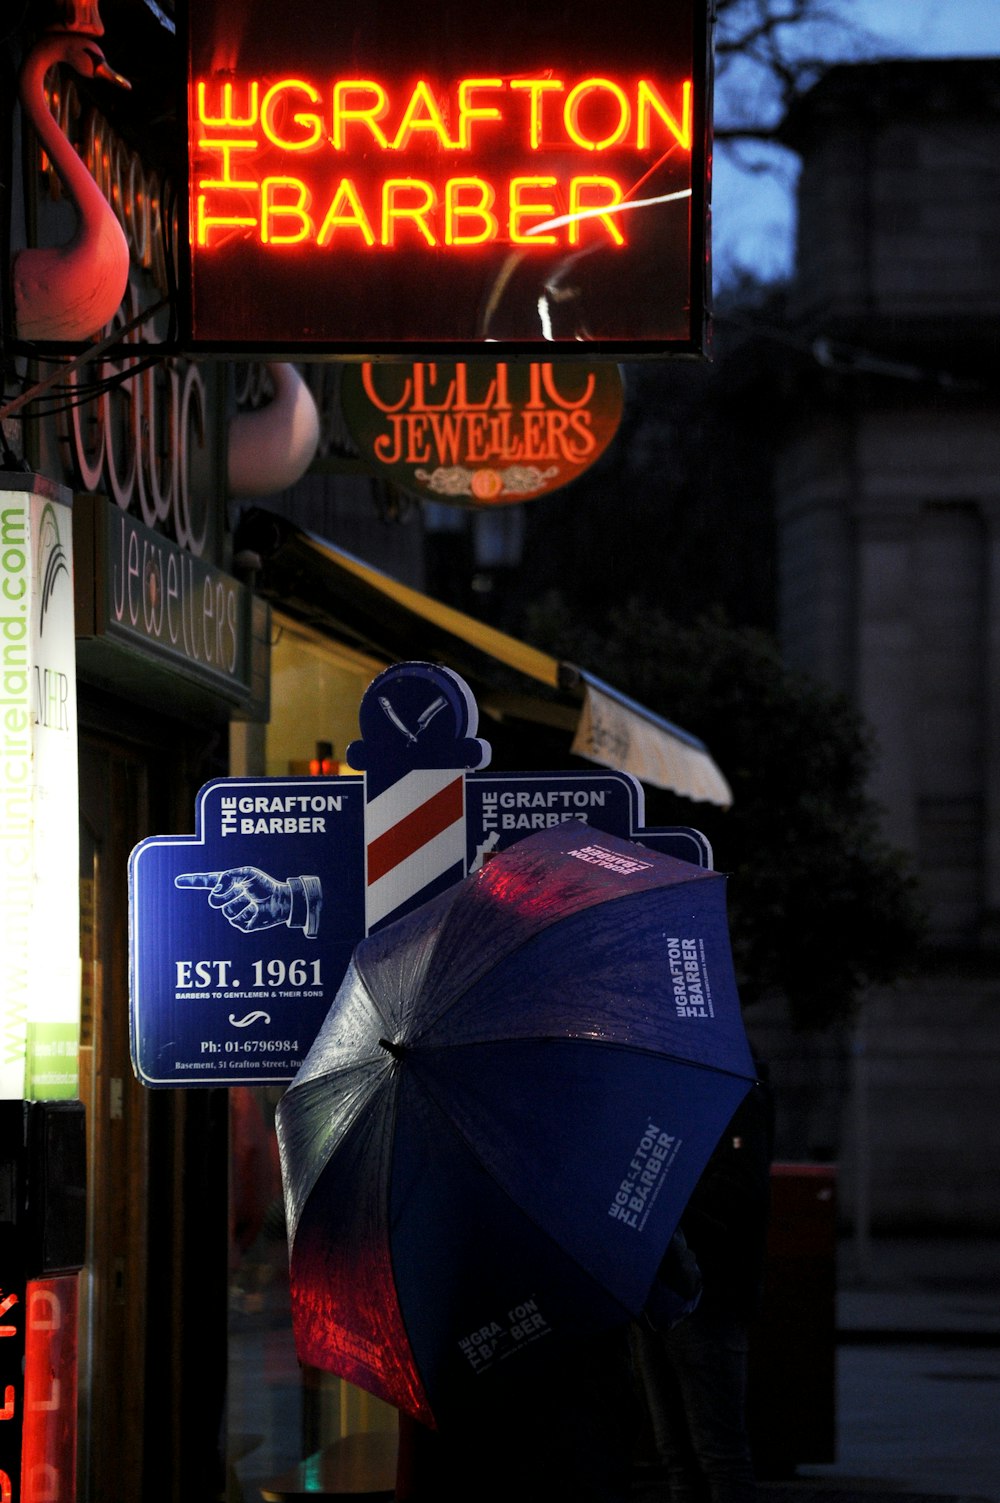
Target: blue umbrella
[[501, 1120]]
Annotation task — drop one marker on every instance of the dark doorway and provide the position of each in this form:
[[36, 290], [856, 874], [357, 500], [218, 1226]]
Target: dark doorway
[[152, 1348]]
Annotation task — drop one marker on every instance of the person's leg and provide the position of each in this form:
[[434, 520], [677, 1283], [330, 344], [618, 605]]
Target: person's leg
[[587, 1415], [661, 1391], [707, 1352], [556, 1428]]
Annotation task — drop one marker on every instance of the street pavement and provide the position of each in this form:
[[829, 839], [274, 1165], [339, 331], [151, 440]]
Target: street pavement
[[918, 1376], [918, 1383]]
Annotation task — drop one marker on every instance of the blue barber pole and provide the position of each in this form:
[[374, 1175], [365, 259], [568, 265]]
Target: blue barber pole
[[418, 725]]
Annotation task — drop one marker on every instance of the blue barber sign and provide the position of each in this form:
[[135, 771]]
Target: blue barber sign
[[240, 934]]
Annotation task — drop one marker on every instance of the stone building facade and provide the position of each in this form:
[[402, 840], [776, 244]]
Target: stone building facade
[[888, 499]]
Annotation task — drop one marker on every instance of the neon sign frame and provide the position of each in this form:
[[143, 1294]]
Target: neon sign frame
[[427, 181]]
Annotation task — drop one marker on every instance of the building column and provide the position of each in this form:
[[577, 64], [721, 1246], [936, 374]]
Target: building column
[[884, 666], [991, 731]]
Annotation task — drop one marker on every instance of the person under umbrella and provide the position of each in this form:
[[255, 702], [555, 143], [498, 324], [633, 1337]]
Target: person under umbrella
[[692, 1371], [491, 1141]]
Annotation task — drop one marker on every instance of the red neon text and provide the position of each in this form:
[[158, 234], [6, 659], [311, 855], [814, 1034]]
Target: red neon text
[[421, 392], [292, 163], [436, 420], [460, 211], [594, 114]]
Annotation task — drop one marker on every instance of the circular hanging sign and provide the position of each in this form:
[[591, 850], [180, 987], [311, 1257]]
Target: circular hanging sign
[[479, 433]]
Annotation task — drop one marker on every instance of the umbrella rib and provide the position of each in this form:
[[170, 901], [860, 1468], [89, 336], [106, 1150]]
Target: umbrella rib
[[586, 1038]]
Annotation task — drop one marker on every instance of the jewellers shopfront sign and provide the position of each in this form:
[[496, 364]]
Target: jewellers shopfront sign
[[150, 597], [481, 433]]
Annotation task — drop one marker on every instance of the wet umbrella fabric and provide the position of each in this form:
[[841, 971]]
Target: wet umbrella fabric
[[493, 1137]]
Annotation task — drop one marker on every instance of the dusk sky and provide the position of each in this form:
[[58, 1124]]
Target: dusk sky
[[945, 28], [753, 221]]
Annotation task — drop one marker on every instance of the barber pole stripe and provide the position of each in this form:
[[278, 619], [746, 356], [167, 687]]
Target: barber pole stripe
[[415, 840]]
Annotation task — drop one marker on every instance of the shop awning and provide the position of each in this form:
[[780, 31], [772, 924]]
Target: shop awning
[[310, 580]]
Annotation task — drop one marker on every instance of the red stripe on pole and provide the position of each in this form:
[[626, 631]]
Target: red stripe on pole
[[414, 830]]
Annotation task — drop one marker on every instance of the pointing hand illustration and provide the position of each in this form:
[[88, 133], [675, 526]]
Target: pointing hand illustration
[[252, 900]]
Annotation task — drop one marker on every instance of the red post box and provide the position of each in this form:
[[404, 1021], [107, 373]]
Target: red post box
[[791, 1401]]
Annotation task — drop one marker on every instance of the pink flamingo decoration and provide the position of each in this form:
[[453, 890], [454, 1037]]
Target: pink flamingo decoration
[[272, 447], [70, 291]]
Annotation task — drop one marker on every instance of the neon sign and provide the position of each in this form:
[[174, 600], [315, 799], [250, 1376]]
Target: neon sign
[[12, 1346], [363, 183], [594, 115], [48, 1439]]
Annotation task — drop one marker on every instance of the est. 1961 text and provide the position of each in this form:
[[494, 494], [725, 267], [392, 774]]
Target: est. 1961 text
[[218, 975]]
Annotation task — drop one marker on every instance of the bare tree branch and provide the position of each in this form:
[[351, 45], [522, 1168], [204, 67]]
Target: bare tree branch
[[769, 52]]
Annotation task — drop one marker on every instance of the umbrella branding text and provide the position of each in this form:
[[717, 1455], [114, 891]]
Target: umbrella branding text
[[634, 1198], [369, 1353], [612, 861], [496, 1340], [692, 993]]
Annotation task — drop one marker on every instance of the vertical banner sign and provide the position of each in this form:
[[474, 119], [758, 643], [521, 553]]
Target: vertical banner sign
[[381, 177], [48, 1441], [240, 934], [41, 1238], [13, 1292], [39, 811]]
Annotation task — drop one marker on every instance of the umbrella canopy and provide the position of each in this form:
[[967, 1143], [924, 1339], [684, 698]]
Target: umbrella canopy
[[500, 1122]]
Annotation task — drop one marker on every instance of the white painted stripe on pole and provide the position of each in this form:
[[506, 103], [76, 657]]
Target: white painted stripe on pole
[[413, 874]]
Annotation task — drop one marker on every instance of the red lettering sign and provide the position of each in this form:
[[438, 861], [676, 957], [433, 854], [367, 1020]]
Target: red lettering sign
[[12, 1295], [48, 1459], [486, 434], [366, 181]]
